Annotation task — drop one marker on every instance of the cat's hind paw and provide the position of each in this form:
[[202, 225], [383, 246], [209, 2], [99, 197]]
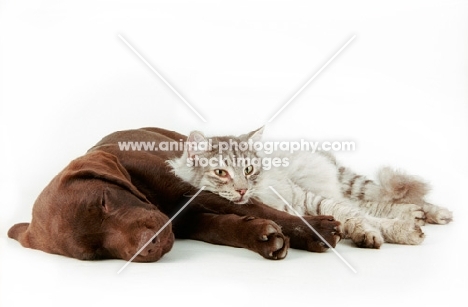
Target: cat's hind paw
[[416, 235], [412, 213], [440, 216], [402, 232]]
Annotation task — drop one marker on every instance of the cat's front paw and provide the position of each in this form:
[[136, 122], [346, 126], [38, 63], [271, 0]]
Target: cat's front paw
[[267, 238], [316, 233], [363, 234], [367, 239]]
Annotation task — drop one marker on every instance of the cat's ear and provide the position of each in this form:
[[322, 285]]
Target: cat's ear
[[196, 144], [256, 135]]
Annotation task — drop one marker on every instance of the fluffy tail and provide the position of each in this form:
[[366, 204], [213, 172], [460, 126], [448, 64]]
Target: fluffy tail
[[392, 187], [18, 232], [399, 187]]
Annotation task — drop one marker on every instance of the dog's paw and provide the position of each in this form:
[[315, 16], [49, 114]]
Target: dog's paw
[[266, 238], [316, 233]]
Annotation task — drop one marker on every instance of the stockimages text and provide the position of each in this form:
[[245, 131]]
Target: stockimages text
[[221, 161]]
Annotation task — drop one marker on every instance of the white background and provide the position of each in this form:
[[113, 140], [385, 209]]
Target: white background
[[399, 90]]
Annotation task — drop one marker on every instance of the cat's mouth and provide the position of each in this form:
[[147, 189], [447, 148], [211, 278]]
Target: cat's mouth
[[241, 201]]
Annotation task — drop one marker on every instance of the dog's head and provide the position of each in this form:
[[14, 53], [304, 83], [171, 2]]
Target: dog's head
[[92, 210]]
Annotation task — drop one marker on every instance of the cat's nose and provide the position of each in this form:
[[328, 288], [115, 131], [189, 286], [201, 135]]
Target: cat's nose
[[242, 191]]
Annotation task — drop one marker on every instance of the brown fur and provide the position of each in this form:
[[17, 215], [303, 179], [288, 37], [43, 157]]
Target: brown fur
[[109, 203]]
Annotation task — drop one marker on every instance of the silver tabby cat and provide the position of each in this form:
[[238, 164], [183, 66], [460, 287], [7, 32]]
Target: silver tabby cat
[[391, 209]]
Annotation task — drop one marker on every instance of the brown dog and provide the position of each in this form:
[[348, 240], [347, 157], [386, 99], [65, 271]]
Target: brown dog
[[91, 210], [109, 203]]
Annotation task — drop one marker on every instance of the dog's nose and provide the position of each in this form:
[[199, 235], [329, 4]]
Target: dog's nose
[[155, 247], [153, 242]]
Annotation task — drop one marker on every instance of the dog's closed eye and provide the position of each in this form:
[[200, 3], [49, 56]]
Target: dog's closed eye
[[104, 199]]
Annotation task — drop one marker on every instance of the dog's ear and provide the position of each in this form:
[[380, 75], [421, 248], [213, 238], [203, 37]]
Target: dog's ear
[[101, 165]]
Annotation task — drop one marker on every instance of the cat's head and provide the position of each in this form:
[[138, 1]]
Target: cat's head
[[224, 165]]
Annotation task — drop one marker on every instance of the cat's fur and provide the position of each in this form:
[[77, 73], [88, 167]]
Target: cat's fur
[[391, 209]]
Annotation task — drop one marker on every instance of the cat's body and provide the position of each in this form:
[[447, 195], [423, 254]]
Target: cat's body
[[390, 210]]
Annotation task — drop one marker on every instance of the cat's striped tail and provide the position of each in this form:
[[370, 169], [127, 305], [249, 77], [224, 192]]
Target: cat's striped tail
[[392, 187], [395, 195]]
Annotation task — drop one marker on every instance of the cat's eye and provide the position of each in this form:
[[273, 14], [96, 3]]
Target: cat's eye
[[221, 172], [248, 170]]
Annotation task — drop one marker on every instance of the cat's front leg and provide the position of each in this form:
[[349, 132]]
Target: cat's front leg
[[371, 232], [302, 230], [407, 212], [356, 225], [419, 212]]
